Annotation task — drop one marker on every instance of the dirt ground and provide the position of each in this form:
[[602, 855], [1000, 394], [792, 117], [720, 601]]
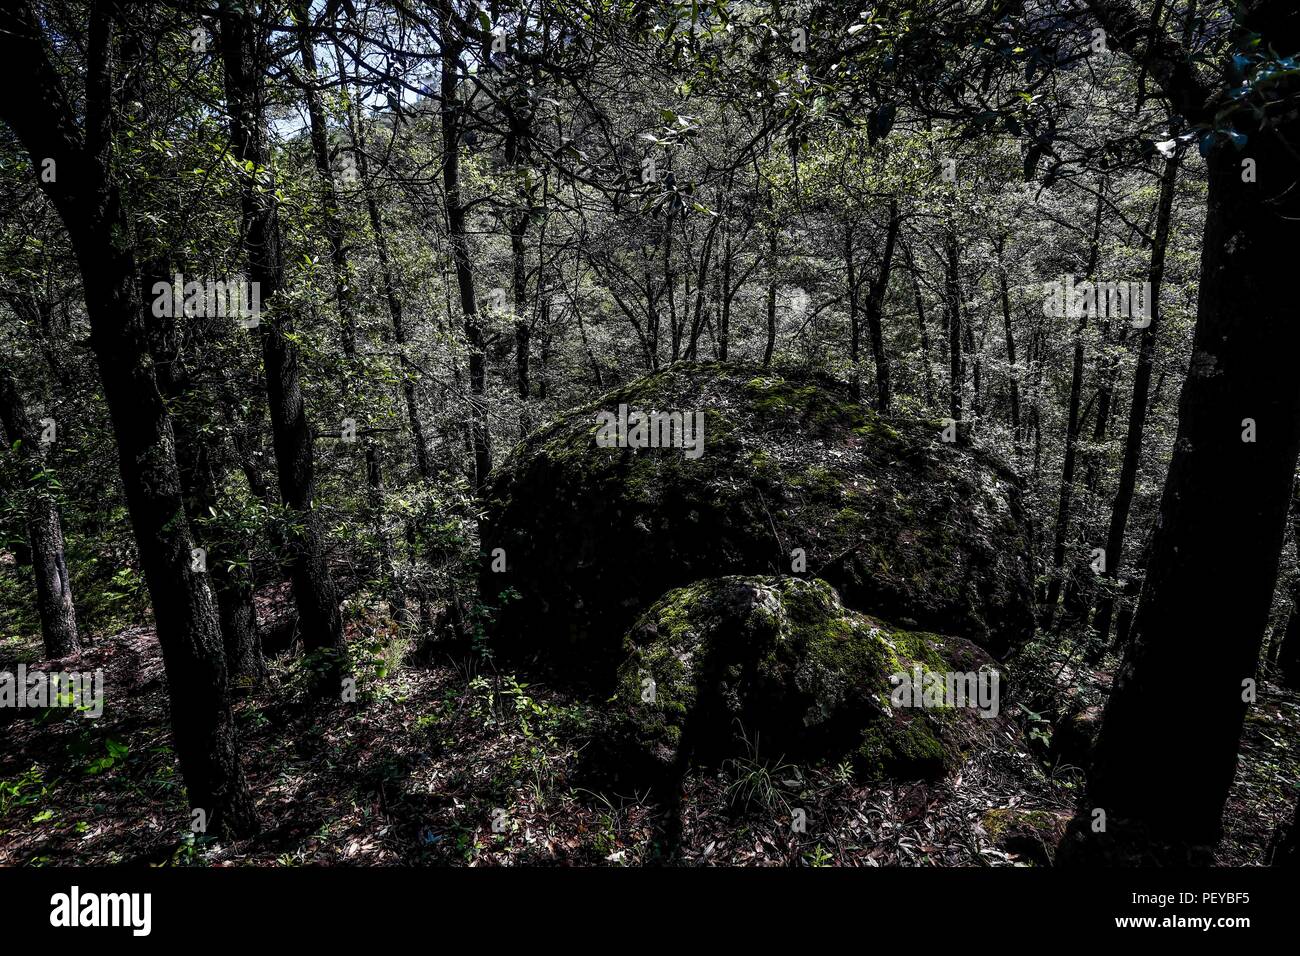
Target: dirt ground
[[459, 764]]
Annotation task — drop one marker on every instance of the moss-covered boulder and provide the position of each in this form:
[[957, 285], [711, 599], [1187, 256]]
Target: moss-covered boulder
[[793, 476], [727, 666]]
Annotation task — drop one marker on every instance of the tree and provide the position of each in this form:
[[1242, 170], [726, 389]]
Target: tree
[[451, 115], [1137, 403], [84, 191], [1214, 553], [44, 526], [315, 594]]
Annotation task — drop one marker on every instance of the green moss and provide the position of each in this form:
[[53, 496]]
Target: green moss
[[919, 646], [763, 463], [788, 458], [786, 651], [808, 403], [998, 821], [820, 481], [875, 427], [901, 748]]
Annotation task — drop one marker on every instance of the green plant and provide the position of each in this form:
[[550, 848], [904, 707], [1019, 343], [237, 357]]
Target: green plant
[[115, 752], [28, 789], [818, 856], [1040, 728], [524, 706], [755, 781], [843, 773]]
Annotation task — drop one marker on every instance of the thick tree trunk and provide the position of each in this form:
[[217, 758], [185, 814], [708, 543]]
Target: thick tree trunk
[[313, 586], [1163, 764], [88, 201], [53, 583]]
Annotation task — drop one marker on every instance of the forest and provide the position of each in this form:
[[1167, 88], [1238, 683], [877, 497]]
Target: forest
[[624, 433]]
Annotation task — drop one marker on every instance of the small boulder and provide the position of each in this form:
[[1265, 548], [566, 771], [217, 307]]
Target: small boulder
[[728, 666]]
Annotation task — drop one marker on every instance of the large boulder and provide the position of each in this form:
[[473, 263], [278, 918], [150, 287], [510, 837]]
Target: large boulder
[[792, 476], [776, 667]]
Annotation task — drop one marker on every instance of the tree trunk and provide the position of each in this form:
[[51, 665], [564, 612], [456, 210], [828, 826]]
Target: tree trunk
[[697, 318], [87, 199], [772, 231], [44, 553], [226, 566], [410, 392], [518, 285], [451, 114], [1163, 764], [952, 307], [976, 352], [1062, 530], [921, 324], [1137, 412], [53, 583], [313, 585], [1013, 371], [330, 219], [229, 571], [724, 313], [875, 310], [855, 326], [44, 528]]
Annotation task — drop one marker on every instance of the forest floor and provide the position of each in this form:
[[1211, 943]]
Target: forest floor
[[455, 763]]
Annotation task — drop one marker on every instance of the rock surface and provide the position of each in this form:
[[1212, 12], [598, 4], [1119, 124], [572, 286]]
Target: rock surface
[[900, 522], [776, 667]]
